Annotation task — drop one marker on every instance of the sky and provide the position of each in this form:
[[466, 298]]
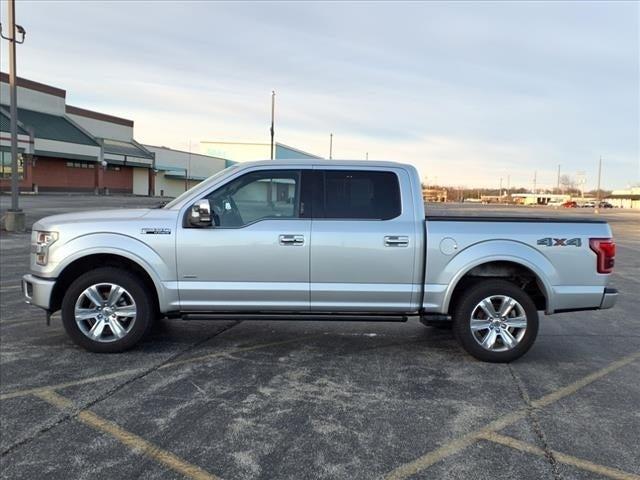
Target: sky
[[468, 92]]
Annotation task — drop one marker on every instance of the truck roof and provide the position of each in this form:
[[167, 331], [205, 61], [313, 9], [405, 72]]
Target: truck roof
[[328, 163]]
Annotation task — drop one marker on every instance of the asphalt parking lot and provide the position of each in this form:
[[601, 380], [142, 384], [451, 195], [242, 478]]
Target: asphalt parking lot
[[282, 399]]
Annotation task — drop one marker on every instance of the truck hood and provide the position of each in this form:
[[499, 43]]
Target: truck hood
[[93, 217]]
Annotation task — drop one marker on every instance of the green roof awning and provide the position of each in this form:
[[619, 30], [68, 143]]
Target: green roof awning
[[129, 149], [53, 127], [5, 124], [68, 156]]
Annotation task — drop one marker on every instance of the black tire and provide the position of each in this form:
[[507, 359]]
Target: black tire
[[135, 287], [466, 306]]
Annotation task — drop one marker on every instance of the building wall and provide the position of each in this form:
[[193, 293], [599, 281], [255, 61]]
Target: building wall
[[201, 166], [171, 187], [72, 149], [36, 100], [140, 181], [284, 152], [119, 179], [103, 129], [198, 166], [53, 175]]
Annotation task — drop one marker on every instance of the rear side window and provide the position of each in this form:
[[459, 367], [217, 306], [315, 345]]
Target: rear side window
[[358, 194]]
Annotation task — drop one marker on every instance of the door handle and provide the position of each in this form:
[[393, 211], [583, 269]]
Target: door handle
[[396, 241], [291, 239]]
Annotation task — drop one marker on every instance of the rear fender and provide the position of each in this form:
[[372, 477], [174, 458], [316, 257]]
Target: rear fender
[[495, 251]]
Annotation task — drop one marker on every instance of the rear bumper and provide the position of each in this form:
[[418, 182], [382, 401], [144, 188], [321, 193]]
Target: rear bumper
[[609, 298], [37, 291]]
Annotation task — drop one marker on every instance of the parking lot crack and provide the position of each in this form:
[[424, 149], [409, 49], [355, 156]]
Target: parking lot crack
[[534, 424], [72, 412]]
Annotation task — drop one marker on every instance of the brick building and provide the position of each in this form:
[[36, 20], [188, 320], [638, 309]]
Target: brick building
[[71, 149]]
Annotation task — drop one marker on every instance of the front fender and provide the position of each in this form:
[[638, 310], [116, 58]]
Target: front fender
[[495, 251], [161, 273]]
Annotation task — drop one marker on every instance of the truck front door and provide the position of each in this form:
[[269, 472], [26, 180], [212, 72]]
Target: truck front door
[[256, 256]]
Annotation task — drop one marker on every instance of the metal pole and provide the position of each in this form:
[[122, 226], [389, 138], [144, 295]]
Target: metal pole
[[14, 105], [558, 185], [15, 218], [599, 176], [273, 109], [189, 163], [367, 156], [330, 146], [535, 181]]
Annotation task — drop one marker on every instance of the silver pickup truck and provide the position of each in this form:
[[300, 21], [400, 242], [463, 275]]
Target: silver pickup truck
[[315, 240]]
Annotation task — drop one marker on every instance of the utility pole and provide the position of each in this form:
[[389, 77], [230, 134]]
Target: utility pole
[[330, 146], [186, 178], [535, 181], [367, 156], [273, 110], [500, 192], [599, 177], [15, 218], [558, 185]]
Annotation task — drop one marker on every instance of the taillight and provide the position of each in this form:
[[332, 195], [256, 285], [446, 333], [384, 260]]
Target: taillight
[[605, 249]]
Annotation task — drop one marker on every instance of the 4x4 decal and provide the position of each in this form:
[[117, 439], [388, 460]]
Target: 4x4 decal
[[560, 242]]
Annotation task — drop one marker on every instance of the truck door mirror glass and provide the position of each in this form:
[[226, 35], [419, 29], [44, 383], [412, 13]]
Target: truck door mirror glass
[[200, 214]]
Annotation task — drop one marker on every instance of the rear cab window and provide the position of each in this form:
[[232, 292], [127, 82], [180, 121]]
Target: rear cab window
[[357, 195]]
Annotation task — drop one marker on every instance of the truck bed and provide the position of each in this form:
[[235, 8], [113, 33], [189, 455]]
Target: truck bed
[[506, 218]]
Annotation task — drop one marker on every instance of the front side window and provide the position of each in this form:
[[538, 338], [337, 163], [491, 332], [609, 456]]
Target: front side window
[[256, 196], [359, 194]]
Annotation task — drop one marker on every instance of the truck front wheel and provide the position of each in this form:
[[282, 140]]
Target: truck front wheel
[[495, 321], [107, 310]]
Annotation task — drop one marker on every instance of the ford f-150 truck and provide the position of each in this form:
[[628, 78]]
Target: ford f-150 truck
[[316, 240]]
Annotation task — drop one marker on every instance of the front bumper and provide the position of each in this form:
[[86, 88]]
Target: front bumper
[[609, 298], [37, 291]]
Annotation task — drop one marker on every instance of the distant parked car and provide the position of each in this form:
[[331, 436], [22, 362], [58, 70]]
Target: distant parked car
[[570, 204], [605, 205], [589, 205]]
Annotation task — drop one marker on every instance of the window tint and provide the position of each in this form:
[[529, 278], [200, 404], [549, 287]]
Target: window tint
[[361, 194], [256, 196]]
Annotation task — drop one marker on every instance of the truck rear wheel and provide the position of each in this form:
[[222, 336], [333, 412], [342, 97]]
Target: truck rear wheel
[[107, 310], [495, 321]]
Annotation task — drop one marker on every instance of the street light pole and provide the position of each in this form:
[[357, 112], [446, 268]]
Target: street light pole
[[598, 192], [330, 146], [273, 109], [15, 218]]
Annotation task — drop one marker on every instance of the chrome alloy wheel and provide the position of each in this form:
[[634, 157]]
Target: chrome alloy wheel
[[498, 323], [105, 312]]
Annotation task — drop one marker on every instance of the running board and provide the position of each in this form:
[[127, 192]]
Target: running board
[[342, 317]]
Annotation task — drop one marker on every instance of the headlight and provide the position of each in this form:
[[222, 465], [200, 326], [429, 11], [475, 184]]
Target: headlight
[[43, 241]]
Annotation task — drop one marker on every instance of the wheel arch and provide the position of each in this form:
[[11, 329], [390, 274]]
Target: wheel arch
[[89, 262], [511, 270]]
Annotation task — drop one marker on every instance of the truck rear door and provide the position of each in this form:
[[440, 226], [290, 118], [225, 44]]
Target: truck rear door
[[363, 240]]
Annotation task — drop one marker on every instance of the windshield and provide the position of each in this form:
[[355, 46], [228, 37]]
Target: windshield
[[181, 197]]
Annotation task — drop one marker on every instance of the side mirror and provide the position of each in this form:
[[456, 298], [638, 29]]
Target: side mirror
[[200, 214]]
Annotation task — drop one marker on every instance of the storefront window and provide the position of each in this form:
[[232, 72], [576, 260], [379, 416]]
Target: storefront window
[[5, 165]]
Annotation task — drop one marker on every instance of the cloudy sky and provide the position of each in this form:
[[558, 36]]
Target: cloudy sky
[[467, 92]]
